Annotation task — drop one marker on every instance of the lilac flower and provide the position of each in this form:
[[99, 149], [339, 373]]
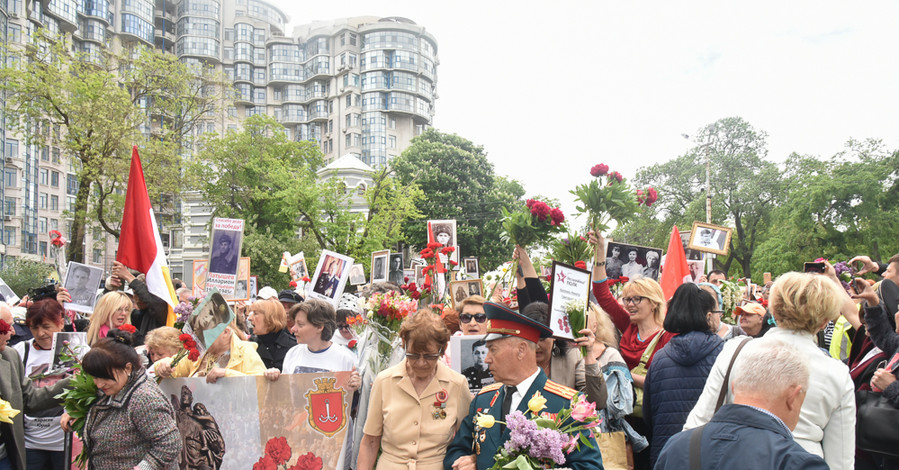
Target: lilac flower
[[538, 443]]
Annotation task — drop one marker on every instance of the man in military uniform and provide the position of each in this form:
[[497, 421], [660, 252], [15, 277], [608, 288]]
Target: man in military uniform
[[512, 356], [479, 374]]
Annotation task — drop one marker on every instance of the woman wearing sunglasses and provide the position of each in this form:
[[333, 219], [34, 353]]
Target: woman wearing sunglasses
[[416, 406]]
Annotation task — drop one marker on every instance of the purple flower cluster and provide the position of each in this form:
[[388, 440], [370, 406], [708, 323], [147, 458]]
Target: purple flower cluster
[[183, 309], [844, 273], [538, 443]]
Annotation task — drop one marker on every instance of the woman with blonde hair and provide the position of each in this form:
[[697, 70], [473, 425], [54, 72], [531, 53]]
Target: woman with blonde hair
[[270, 331], [229, 355], [112, 311], [802, 304]]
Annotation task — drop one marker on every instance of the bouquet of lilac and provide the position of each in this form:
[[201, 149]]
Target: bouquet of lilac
[[844, 272], [184, 311], [543, 439]]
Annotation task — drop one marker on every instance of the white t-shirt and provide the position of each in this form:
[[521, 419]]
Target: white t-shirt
[[300, 360], [42, 429]]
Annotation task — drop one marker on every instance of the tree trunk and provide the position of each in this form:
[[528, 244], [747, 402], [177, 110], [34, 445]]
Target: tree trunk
[[75, 251]]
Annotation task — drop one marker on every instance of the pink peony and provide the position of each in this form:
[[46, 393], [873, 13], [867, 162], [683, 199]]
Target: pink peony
[[599, 170], [556, 216], [616, 176]]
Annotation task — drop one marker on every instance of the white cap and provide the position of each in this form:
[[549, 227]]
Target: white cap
[[266, 293]]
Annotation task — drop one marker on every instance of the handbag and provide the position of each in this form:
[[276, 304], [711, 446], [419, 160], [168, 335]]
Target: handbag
[[613, 447], [875, 430], [641, 369]]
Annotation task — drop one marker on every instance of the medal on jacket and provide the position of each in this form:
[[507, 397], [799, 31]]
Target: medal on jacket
[[440, 404]]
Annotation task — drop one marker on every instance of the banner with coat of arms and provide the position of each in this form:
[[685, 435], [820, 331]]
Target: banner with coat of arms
[[298, 421]]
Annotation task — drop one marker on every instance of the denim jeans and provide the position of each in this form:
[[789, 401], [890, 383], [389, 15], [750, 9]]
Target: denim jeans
[[37, 459], [5, 464]]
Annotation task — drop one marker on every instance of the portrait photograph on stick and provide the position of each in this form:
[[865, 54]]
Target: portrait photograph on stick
[[224, 255], [461, 290], [331, 276], [685, 240], [199, 278], [467, 357], [471, 267], [710, 238], [82, 282], [241, 286], [357, 275], [395, 271], [379, 265], [444, 232], [632, 261]]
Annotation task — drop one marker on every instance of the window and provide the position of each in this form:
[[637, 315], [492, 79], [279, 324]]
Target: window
[[54, 224], [71, 184], [9, 206], [42, 201], [54, 155], [54, 203], [393, 123], [12, 148], [348, 137], [54, 179], [98, 255], [392, 141], [45, 154], [9, 236], [44, 176], [42, 224], [10, 177], [43, 248]]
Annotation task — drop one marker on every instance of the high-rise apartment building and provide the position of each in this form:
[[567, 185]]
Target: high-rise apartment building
[[363, 86]]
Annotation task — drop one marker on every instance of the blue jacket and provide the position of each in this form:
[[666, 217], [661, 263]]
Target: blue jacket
[[740, 436], [674, 382], [489, 401]]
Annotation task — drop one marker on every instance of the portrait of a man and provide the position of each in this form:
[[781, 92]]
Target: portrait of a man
[[210, 318], [691, 254], [329, 278], [379, 268], [77, 284], [471, 267], [478, 374], [225, 247], [357, 275], [474, 288], [395, 274]]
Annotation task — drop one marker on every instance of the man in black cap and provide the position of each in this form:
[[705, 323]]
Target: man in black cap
[[512, 355], [288, 299], [224, 257]]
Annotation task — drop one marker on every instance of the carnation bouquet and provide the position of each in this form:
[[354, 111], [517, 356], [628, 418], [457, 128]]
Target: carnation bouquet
[[611, 200], [384, 313], [542, 440]]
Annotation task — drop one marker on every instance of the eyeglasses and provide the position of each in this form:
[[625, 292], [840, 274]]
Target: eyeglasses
[[478, 317], [426, 357], [719, 312], [632, 300], [343, 327]]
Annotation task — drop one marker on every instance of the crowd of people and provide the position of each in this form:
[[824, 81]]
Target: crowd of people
[[776, 389]]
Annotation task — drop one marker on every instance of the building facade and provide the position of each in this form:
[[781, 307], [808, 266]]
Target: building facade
[[363, 86]]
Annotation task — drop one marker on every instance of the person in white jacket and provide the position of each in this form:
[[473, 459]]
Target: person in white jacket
[[802, 304]]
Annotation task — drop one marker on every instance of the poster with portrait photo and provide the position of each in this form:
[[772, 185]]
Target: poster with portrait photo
[[685, 240], [419, 275], [467, 354], [68, 349], [254, 286], [632, 261], [296, 265], [199, 278], [379, 266], [444, 232], [461, 290], [471, 267], [224, 256], [82, 282], [710, 238], [395, 268], [357, 275], [10, 297], [697, 268], [567, 284], [242, 284], [331, 275]]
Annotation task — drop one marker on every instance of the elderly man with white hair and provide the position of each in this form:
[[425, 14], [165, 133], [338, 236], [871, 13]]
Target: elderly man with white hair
[[770, 380]]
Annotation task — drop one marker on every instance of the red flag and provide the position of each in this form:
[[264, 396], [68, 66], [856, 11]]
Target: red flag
[[676, 271], [140, 246]]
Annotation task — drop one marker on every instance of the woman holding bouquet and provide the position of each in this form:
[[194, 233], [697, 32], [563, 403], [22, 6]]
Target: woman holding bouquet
[[417, 405]]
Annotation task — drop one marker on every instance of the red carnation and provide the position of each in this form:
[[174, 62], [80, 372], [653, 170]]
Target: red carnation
[[293, 283], [652, 197], [278, 450], [194, 354], [599, 170], [447, 250], [183, 337], [405, 278], [308, 462], [265, 463], [414, 295], [305, 279], [580, 264], [352, 344], [556, 216], [616, 176], [129, 328], [453, 263], [434, 245], [530, 203]]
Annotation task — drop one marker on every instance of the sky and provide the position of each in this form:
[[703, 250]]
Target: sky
[[552, 88]]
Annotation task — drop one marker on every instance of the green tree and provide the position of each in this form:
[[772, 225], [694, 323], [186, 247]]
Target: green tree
[[21, 274], [458, 183], [744, 185], [261, 176], [95, 107], [834, 208]]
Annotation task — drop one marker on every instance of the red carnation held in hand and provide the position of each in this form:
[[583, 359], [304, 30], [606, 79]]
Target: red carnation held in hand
[[599, 170]]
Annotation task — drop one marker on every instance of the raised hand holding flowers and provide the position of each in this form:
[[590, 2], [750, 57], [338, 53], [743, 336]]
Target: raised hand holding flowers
[[611, 200]]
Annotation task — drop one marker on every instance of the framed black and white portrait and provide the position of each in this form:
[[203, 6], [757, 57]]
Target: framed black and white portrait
[[632, 261], [82, 282], [710, 238]]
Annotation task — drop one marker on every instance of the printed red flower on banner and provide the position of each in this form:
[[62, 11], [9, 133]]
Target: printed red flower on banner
[[129, 328], [265, 463], [278, 450], [308, 462]]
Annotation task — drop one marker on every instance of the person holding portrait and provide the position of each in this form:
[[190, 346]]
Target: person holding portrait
[[417, 405]]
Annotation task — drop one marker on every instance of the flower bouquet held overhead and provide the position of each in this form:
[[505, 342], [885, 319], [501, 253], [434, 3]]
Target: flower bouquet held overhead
[[537, 221], [608, 198], [384, 313]]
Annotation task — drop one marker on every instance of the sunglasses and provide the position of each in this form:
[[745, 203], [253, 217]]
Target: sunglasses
[[478, 317], [343, 327]]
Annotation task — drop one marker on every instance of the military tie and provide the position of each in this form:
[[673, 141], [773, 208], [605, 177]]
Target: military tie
[[507, 402]]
